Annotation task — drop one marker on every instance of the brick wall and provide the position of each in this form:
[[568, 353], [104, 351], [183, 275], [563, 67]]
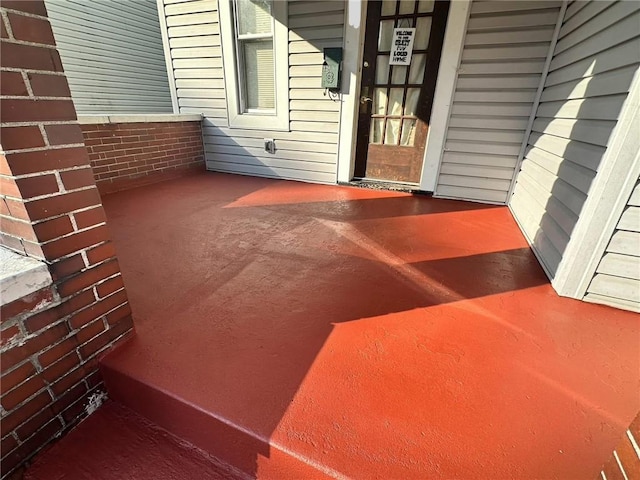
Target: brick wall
[[50, 209], [126, 155]]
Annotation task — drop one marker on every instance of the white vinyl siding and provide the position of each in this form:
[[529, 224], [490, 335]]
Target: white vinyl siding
[[504, 53], [308, 151], [112, 55], [594, 63], [617, 278]]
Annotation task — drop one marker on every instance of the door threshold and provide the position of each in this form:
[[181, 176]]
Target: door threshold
[[385, 185]]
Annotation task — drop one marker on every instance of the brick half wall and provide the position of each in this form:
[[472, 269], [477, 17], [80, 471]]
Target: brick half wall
[[128, 155]]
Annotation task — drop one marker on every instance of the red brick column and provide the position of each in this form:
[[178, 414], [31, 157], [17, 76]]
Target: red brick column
[[50, 210]]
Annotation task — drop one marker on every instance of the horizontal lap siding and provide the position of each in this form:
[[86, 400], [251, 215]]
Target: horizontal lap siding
[[309, 150], [617, 278], [112, 55], [504, 53], [594, 62], [196, 56]]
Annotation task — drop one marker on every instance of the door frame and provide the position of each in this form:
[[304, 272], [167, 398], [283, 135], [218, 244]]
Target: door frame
[[354, 31], [367, 152]]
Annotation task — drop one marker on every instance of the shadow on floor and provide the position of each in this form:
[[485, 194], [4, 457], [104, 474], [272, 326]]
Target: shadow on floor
[[321, 327]]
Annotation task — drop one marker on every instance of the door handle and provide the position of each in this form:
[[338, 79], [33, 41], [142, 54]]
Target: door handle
[[364, 100]]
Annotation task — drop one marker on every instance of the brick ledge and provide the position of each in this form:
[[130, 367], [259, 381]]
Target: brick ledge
[[21, 276], [154, 118]]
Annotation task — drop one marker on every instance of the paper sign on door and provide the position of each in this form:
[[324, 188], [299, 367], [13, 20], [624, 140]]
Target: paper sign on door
[[402, 46]]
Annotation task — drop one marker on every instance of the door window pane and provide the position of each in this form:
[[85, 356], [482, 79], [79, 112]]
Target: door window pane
[[392, 132], [389, 7], [407, 6], [376, 130], [408, 132], [379, 101], [395, 101], [385, 35], [425, 6], [411, 104], [416, 71], [382, 70], [398, 74], [259, 74], [254, 17], [423, 30]]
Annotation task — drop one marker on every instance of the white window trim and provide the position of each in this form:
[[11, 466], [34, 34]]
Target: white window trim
[[262, 121]]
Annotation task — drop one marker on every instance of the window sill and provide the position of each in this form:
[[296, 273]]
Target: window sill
[[21, 276], [248, 121]]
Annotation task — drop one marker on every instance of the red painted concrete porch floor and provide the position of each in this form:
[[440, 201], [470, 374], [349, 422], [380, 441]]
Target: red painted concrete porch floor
[[117, 444], [303, 331]]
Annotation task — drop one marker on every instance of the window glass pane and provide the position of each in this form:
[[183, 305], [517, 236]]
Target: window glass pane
[[254, 16], [393, 131], [416, 71], [408, 132], [407, 6], [425, 6], [376, 130], [379, 101], [385, 35], [423, 30], [395, 101], [259, 74], [389, 7], [382, 70], [411, 103], [398, 74]]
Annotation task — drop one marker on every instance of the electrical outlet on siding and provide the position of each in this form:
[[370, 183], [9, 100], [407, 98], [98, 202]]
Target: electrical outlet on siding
[[270, 145]]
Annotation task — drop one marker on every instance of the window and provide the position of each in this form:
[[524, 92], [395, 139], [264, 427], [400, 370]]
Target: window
[[254, 41]]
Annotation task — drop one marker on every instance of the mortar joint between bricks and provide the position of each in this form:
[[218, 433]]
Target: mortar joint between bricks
[[59, 193], [61, 186], [32, 96], [41, 149], [44, 172], [24, 14], [43, 132], [7, 24], [46, 123], [85, 258], [30, 44], [27, 83]]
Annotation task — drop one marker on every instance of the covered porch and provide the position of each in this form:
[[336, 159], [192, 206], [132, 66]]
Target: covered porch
[[307, 331]]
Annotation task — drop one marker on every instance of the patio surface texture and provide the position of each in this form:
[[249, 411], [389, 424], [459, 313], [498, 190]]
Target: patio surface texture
[[304, 331]]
